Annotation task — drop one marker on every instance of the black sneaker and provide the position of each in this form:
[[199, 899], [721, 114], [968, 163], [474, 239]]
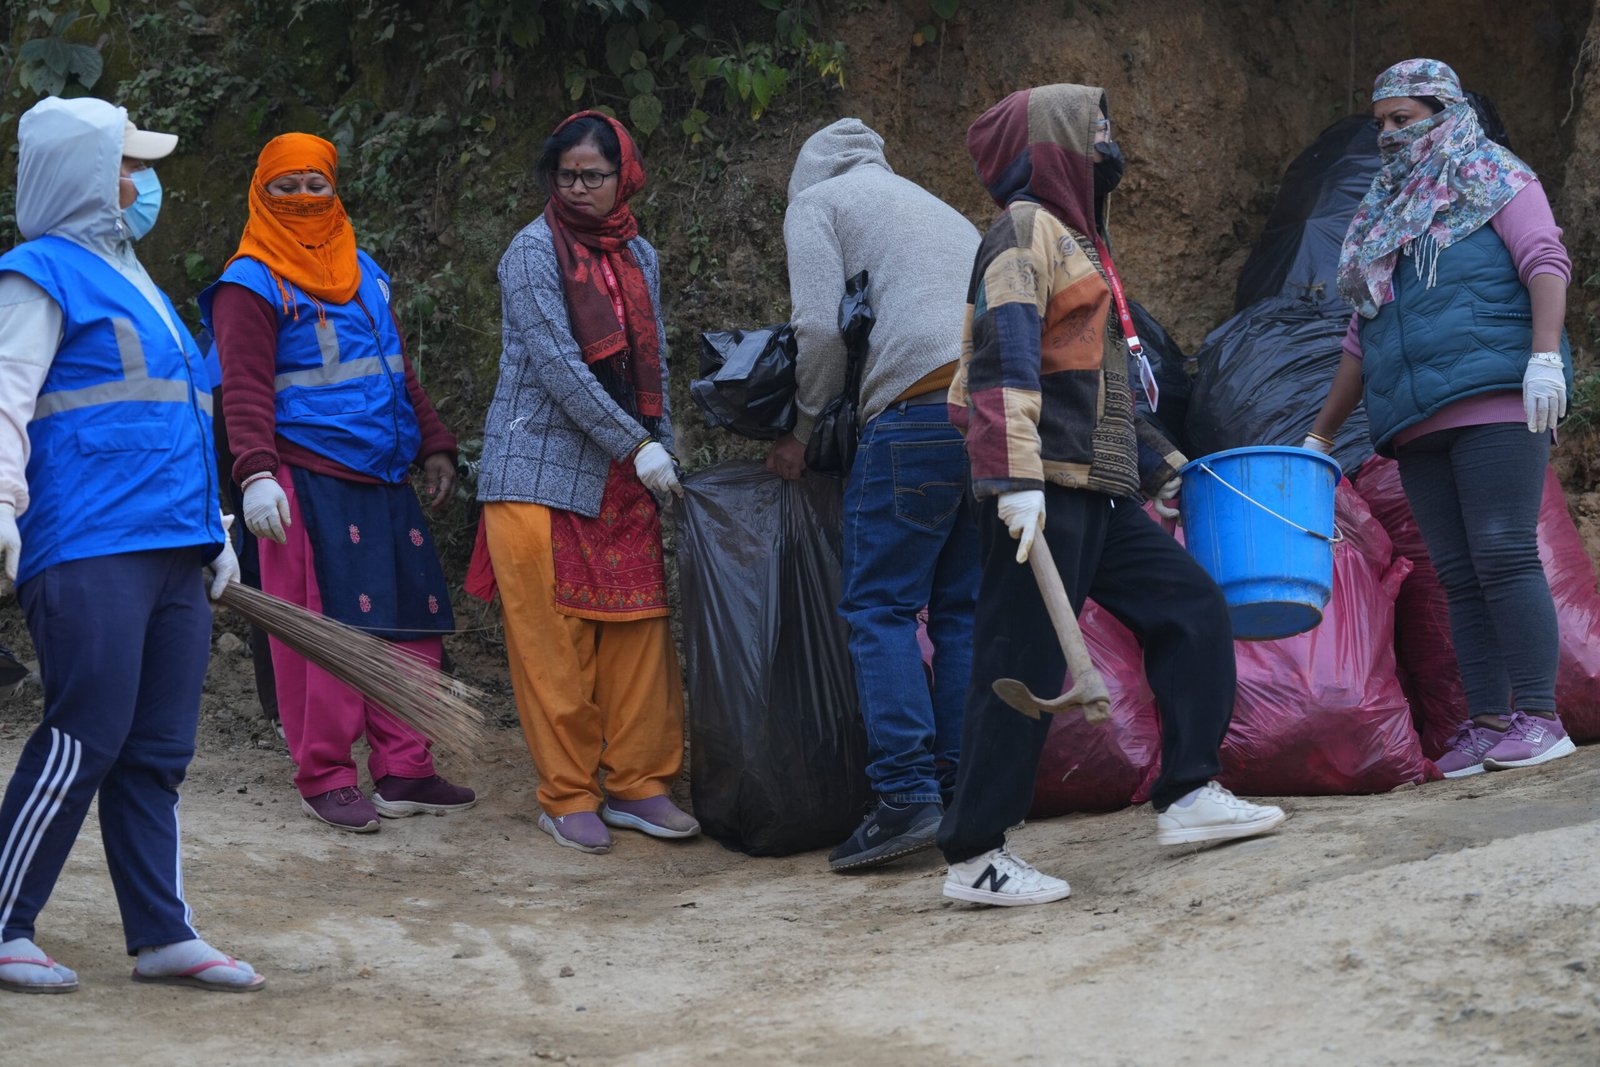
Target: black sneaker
[[887, 834]]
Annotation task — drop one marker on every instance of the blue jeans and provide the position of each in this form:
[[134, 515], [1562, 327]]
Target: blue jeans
[[910, 542], [1475, 492]]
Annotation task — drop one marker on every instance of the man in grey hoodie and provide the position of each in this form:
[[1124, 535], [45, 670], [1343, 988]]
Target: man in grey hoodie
[[909, 538]]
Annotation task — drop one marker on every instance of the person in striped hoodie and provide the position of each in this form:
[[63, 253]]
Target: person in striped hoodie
[[1043, 396]]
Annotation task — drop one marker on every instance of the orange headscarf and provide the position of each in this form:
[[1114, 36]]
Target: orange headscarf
[[306, 240]]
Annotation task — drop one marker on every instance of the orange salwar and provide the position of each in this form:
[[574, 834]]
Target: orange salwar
[[591, 695]]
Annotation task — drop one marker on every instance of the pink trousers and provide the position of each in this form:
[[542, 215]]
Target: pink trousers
[[322, 717]]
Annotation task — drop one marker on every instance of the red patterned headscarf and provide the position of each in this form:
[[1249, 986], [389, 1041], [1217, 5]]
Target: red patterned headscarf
[[608, 300]]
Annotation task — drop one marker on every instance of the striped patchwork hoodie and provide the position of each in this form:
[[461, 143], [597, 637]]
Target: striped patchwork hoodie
[[1042, 392]]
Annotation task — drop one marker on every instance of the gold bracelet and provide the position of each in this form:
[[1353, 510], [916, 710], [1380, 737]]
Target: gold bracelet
[[1318, 437]]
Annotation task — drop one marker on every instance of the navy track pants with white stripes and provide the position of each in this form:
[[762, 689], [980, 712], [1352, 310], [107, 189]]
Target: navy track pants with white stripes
[[122, 642]]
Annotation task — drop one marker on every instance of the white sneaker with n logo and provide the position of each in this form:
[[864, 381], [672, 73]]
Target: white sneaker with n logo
[[999, 878]]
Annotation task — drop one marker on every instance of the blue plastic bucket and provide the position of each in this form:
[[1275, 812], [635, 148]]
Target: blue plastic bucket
[[1260, 521]]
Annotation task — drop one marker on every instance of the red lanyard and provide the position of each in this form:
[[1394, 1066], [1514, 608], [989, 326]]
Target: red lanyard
[[1147, 377]]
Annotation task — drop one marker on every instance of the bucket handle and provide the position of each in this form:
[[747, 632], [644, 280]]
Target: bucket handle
[[1336, 538]]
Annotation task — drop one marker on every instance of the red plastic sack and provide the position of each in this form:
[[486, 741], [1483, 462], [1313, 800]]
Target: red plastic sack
[[1571, 574], [1109, 765], [1322, 712], [1423, 648]]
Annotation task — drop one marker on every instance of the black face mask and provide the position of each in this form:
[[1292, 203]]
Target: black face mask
[[1107, 171]]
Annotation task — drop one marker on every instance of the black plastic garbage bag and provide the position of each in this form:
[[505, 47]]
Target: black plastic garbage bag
[[746, 382], [1172, 378], [1263, 377], [777, 749], [1298, 252], [832, 447]]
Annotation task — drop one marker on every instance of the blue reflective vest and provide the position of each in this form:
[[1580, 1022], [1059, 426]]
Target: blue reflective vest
[[1469, 333], [122, 456], [341, 379]]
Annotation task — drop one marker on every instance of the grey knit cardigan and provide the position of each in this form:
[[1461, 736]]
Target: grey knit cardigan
[[552, 429]]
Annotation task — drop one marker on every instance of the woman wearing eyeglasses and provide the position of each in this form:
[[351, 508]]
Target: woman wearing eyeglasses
[[577, 446]]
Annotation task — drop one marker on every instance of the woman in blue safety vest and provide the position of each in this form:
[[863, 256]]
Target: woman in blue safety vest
[[325, 418], [107, 476]]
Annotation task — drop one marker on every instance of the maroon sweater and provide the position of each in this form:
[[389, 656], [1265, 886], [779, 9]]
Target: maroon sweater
[[247, 337]]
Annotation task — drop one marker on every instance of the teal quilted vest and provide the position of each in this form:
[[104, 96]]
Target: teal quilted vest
[[1469, 333]]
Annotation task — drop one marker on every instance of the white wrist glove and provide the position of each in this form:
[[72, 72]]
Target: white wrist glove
[[225, 568], [266, 509], [10, 540], [1023, 514], [1317, 445], [1544, 391], [1167, 493], [654, 468]]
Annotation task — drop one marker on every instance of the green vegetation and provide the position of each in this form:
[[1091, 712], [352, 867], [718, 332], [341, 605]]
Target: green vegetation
[[437, 109]]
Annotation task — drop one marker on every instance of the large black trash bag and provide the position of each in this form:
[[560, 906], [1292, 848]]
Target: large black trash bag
[[777, 748], [1298, 252], [1264, 375], [746, 382], [1172, 378]]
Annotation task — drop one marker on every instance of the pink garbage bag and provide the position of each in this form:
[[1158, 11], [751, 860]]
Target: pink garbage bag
[[1323, 712]]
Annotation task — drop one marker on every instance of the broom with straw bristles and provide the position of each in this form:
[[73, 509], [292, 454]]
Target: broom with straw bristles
[[423, 698]]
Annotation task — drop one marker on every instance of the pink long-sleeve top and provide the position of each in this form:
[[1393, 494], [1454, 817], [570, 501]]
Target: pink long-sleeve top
[[247, 335], [1528, 228]]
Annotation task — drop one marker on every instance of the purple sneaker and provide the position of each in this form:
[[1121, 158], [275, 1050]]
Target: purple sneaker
[[581, 830], [1465, 755], [1530, 741], [397, 797], [657, 816], [344, 808]]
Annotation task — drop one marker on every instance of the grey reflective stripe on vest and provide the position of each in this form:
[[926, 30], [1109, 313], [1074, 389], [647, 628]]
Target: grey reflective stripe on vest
[[136, 384], [332, 372]]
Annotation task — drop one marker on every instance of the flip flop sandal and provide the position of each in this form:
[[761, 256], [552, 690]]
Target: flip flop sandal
[[189, 978], [35, 987]]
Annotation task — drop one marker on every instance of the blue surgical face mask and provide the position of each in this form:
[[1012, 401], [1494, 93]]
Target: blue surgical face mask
[[141, 214]]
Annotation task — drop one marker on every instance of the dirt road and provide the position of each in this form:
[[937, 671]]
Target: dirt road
[[1453, 923]]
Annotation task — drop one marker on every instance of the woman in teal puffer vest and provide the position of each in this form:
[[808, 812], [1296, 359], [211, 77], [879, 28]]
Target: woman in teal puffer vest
[[1458, 276]]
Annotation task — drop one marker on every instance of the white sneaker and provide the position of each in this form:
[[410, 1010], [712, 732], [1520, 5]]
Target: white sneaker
[[1215, 815], [999, 878]]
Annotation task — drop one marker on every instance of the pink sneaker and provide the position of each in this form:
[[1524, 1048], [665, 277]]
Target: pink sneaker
[[397, 797], [1465, 755], [344, 808], [1530, 741]]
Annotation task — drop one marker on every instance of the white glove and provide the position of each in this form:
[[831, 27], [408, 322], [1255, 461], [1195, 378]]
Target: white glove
[[1168, 492], [1023, 514], [225, 568], [1316, 444], [10, 539], [266, 509], [654, 468], [1544, 391]]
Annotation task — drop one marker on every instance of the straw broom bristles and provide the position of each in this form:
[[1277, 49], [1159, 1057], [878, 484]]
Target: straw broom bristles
[[423, 698]]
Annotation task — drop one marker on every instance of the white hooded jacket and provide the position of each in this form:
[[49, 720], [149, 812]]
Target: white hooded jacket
[[69, 163]]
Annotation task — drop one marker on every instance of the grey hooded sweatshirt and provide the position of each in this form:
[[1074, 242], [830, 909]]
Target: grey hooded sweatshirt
[[849, 212], [69, 155]]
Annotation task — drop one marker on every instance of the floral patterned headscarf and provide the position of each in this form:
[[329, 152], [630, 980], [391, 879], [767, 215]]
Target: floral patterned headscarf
[[1440, 180]]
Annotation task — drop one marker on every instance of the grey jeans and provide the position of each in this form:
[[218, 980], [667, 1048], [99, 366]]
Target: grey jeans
[[1475, 491]]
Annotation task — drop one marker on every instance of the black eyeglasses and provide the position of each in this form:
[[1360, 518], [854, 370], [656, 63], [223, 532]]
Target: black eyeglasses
[[592, 179]]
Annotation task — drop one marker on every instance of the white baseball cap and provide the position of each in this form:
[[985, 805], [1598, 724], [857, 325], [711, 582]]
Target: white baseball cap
[[147, 144]]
